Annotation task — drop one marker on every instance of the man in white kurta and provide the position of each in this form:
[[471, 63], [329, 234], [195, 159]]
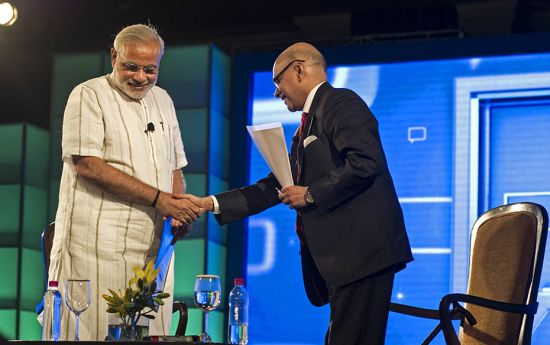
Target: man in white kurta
[[122, 155]]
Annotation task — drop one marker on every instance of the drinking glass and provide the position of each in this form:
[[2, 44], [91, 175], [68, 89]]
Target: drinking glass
[[77, 297], [207, 298]]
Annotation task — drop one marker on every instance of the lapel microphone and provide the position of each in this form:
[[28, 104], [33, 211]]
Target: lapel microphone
[[150, 127]]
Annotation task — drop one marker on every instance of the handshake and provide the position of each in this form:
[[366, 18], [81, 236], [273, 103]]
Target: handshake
[[183, 208], [186, 208]]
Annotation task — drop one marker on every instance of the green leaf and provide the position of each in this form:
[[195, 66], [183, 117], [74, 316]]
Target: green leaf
[[145, 299], [115, 295], [159, 301], [107, 298]]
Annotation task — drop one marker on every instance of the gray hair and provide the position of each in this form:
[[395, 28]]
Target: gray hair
[[137, 33]]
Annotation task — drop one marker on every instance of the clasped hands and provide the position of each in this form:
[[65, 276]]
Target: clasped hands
[[186, 208]]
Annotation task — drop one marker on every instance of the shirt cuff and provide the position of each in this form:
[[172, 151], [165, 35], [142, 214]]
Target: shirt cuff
[[216, 205]]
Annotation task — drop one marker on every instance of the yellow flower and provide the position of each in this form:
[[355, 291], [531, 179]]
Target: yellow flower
[[131, 303], [148, 276]]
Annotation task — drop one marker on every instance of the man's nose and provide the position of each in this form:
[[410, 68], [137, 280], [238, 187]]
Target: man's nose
[[140, 76], [277, 93]]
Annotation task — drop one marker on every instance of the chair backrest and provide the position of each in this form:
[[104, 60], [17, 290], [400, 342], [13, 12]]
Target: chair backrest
[[506, 256], [47, 243]]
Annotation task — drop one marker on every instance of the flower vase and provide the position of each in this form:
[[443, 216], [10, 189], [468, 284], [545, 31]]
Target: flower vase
[[119, 331]]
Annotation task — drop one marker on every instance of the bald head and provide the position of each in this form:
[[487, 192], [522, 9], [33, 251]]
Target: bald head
[[306, 52], [296, 72]]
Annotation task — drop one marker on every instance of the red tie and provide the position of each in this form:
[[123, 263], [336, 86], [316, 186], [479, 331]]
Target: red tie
[[299, 223], [298, 149], [302, 123]]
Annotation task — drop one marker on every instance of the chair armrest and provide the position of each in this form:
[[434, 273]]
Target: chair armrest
[[454, 299], [181, 308], [414, 311], [530, 309], [455, 314], [419, 312]]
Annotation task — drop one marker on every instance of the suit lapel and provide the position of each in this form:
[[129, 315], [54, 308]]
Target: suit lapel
[[309, 125], [316, 105], [301, 149]]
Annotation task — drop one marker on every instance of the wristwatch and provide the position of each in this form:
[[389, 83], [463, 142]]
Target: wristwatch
[[308, 197]]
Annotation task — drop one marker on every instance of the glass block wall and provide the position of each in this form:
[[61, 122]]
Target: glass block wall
[[197, 78], [23, 215]]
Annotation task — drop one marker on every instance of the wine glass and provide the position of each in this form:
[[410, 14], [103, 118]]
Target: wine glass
[[207, 298], [77, 297]]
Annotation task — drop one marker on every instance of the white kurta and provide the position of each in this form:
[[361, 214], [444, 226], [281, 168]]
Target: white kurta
[[97, 235]]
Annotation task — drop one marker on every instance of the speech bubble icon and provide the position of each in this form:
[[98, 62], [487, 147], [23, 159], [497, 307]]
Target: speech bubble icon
[[417, 134]]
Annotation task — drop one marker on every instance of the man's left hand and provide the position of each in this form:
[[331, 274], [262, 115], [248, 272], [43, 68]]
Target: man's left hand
[[293, 196], [180, 230]]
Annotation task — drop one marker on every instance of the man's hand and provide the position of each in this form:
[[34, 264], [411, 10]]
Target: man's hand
[[180, 230], [181, 209], [293, 196], [205, 203]]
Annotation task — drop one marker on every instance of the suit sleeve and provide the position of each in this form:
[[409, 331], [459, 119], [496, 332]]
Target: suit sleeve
[[353, 131], [243, 202]]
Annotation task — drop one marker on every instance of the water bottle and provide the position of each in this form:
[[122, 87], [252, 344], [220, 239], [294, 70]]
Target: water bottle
[[238, 313], [51, 323]]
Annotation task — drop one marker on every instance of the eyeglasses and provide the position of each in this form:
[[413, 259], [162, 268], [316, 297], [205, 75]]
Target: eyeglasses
[[277, 78], [131, 67]]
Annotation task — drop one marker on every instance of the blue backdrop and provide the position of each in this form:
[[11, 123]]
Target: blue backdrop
[[461, 136]]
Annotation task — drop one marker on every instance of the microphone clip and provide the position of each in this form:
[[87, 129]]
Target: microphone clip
[[150, 127]]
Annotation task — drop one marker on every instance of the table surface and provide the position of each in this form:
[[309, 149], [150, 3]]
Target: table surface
[[72, 342]]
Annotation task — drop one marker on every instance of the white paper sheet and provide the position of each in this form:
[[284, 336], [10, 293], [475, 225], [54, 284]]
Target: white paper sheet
[[269, 138]]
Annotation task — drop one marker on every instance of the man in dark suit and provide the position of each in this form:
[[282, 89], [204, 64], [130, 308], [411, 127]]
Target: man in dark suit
[[350, 224]]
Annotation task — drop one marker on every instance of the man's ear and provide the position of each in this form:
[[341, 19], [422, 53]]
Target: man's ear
[[113, 57], [299, 67]]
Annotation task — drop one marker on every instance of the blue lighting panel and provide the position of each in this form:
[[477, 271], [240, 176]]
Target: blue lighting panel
[[427, 112]]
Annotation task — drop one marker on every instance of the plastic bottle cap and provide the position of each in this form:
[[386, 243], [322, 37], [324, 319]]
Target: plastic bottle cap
[[53, 283], [238, 281]]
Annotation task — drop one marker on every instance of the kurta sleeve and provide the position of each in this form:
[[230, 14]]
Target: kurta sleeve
[[181, 159], [179, 153], [83, 125]]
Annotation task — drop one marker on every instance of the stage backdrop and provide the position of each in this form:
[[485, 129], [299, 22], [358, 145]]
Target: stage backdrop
[[446, 170]]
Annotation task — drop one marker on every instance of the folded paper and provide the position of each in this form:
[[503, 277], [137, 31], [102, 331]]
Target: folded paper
[[270, 141]]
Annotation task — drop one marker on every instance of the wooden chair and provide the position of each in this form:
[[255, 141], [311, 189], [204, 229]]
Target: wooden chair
[[47, 243], [506, 256]]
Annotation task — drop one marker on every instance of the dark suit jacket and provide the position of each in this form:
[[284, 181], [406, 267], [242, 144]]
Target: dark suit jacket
[[355, 227]]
